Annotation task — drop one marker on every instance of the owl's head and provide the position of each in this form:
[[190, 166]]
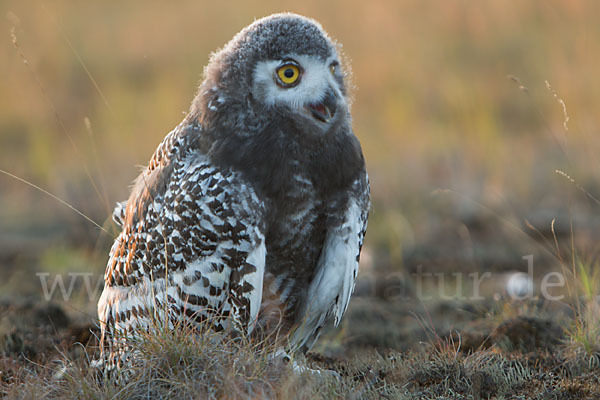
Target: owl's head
[[282, 66]]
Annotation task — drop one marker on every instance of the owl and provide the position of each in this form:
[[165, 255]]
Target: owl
[[251, 214]]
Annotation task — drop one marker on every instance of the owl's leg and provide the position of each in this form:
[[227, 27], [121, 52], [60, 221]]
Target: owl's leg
[[298, 364]]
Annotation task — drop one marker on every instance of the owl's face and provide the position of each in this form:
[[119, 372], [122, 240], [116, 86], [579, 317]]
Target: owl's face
[[309, 87], [282, 68]]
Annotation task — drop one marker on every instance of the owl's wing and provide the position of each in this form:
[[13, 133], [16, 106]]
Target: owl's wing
[[194, 244], [330, 290], [119, 211], [344, 244]]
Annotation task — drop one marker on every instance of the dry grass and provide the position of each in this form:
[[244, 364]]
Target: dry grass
[[181, 363], [583, 344], [178, 364]]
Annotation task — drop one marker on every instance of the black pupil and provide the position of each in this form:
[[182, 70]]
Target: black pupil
[[288, 73]]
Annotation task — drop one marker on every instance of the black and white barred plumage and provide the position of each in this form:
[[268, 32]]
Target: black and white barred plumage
[[252, 212]]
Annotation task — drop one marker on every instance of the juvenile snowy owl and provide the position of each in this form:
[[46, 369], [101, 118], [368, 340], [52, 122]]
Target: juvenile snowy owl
[[251, 213]]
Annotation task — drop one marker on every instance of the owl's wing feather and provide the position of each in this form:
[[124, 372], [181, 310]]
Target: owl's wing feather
[[195, 244], [118, 214], [330, 291], [219, 220]]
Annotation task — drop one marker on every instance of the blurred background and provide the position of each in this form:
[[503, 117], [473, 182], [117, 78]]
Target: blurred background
[[465, 111]]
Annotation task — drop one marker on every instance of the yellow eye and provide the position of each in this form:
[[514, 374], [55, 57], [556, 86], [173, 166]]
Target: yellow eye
[[332, 69], [288, 74]]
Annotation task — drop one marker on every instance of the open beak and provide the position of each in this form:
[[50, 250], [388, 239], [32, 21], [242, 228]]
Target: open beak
[[325, 110]]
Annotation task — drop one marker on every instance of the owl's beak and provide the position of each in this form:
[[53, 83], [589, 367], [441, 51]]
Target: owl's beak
[[325, 110]]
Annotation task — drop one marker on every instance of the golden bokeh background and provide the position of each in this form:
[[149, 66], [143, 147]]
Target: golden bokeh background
[[458, 105]]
